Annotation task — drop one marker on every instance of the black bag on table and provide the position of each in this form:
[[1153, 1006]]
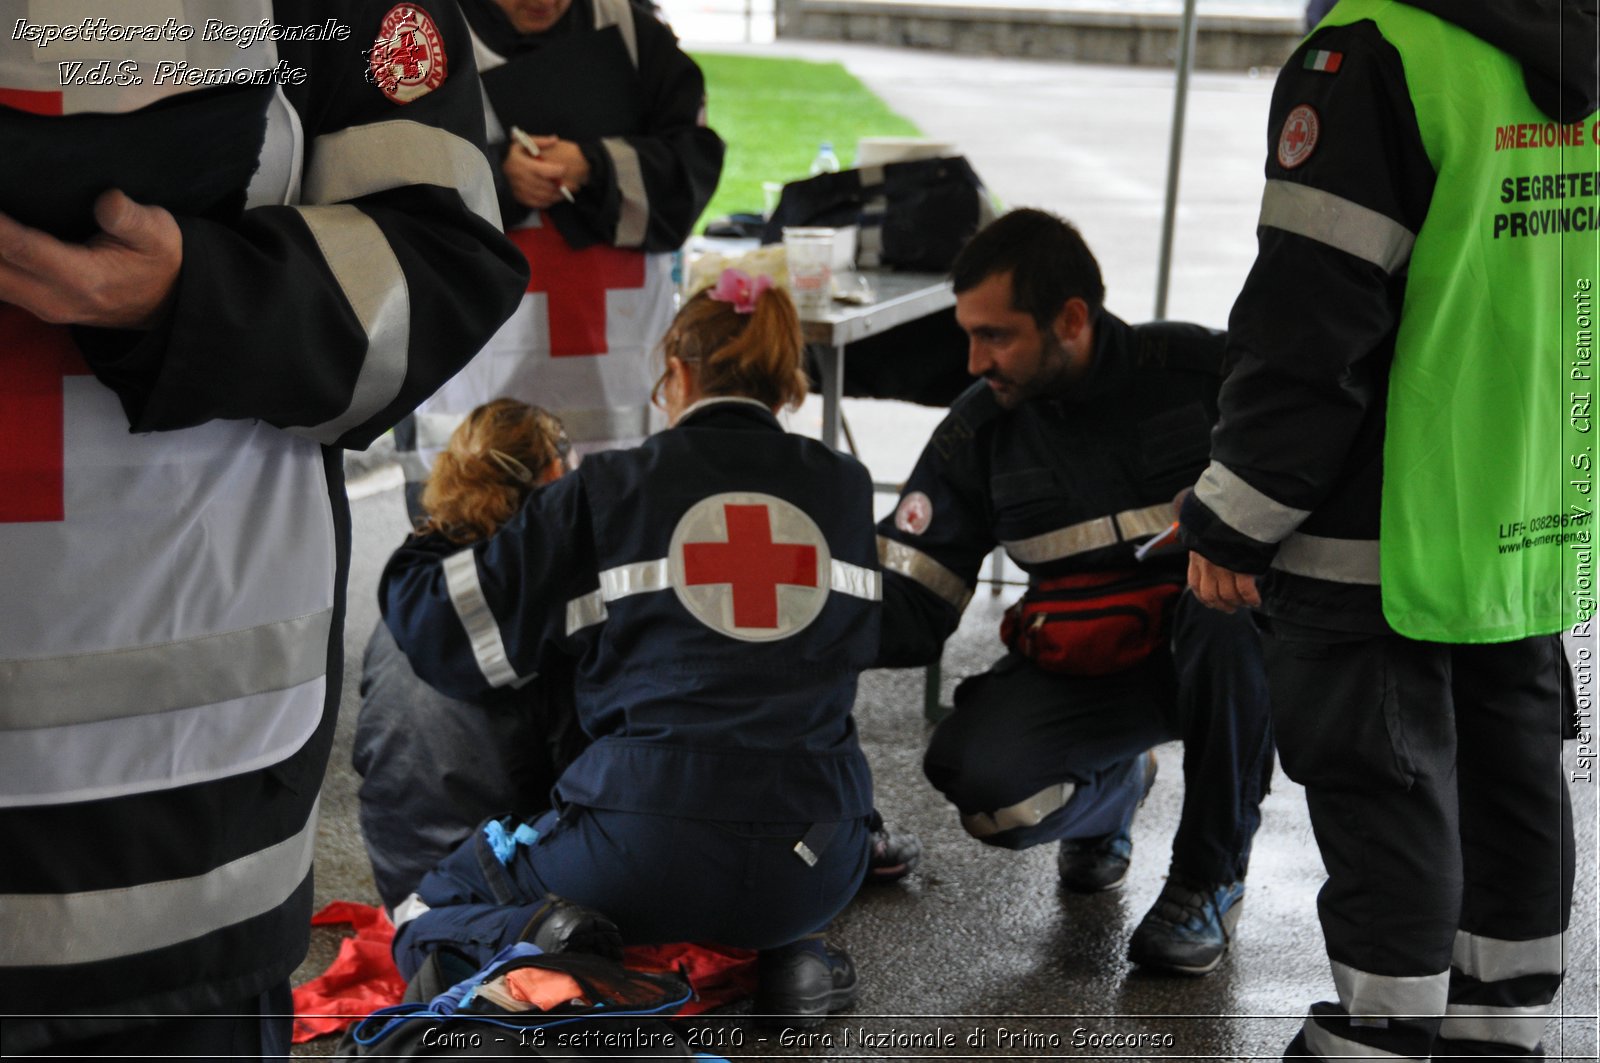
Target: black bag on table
[[914, 215]]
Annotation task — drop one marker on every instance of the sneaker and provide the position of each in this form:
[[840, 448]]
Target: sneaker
[[798, 986], [1093, 865], [894, 853], [562, 926], [1189, 928]]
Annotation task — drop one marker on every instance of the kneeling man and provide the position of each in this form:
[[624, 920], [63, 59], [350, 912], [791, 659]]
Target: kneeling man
[[1069, 454]]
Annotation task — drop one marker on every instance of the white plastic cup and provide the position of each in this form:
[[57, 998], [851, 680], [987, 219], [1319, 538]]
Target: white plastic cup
[[808, 254]]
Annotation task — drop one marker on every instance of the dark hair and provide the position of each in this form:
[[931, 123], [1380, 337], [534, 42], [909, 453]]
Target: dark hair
[[759, 355], [1048, 261]]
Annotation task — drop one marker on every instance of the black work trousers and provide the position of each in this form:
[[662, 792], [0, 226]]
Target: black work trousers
[[1434, 781], [1030, 756]]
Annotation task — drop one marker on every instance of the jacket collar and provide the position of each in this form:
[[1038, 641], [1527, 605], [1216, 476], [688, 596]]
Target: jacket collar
[[1110, 365], [724, 409]]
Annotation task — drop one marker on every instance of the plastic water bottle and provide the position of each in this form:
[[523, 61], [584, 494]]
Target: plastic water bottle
[[826, 161]]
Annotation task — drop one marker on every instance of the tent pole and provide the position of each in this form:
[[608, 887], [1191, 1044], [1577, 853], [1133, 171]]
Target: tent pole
[[1186, 39]]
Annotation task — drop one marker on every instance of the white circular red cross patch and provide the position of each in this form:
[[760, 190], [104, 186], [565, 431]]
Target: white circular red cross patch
[[750, 566], [407, 60], [914, 513], [1299, 137]]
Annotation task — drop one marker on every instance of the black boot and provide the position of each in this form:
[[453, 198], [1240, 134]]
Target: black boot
[[799, 985], [561, 926]]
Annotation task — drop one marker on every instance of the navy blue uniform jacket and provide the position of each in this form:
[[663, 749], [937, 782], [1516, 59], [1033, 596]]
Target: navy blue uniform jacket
[[719, 588], [1066, 485]]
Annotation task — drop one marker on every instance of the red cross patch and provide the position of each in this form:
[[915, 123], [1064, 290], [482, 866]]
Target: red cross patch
[[407, 60], [750, 566], [1299, 136]]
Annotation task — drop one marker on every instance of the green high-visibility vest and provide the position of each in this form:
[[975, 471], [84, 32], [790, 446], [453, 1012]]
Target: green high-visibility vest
[[1488, 506]]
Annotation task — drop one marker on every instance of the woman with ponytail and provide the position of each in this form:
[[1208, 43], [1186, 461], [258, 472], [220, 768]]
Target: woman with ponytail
[[433, 767], [718, 590]]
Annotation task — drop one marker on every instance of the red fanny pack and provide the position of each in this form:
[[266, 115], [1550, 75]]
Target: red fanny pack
[[1091, 623]]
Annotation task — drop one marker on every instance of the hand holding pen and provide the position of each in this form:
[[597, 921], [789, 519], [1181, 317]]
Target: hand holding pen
[[538, 168]]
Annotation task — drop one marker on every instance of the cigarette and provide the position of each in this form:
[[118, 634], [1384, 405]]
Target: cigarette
[[525, 142]]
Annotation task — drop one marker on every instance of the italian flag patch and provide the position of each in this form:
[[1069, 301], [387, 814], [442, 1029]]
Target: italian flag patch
[[1327, 62]]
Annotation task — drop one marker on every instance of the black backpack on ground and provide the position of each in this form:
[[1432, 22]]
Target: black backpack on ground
[[618, 1014]]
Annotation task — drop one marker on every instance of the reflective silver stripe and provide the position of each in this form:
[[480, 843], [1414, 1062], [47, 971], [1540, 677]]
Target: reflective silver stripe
[[1090, 535], [57, 929], [1335, 560], [1027, 813], [363, 159], [1363, 993], [1064, 542], [619, 582], [483, 631], [368, 273], [616, 13], [159, 751], [645, 576], [856, 581], [1494, 960], [1338, 223], [1522, 1027], [91, 687], [916, 565], [633, 215], [1151, 520], [1243, 508], [1331, 1046], [408, 910], [585, 612], [637, 578]]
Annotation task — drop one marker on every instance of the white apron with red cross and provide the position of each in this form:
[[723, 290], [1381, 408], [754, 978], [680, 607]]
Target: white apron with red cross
[[581, 345], [165, 598]]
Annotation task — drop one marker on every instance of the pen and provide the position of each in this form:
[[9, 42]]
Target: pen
[[1166, 538], [526, 143]]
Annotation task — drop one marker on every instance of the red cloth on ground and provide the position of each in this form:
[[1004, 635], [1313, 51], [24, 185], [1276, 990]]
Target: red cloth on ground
[[719, 975], [360, 980], [363, 977]]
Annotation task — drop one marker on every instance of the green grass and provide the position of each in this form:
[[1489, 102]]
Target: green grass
[[773, 113]]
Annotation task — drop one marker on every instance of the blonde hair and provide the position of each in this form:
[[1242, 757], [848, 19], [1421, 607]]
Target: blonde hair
[[503, 450], [758, 355]]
